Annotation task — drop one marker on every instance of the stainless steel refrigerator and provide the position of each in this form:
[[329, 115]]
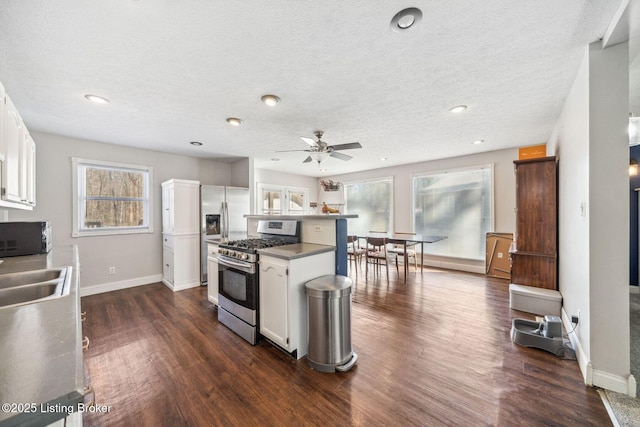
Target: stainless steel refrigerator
[[222, 211]]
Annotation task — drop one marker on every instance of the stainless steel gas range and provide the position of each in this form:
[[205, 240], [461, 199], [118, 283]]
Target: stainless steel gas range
[[238, 302]]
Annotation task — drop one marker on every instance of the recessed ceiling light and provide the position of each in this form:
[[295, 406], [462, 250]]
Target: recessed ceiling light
[[478, 141], [323, 170], [270, 100], [405, 19], [233, 121], [383, 158], [196, 143], [458, 109], [97, 99]]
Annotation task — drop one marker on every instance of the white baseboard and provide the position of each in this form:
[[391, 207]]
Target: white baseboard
[[176, 288], [114, 286], [452, 265], [634, 289], [594, 377]]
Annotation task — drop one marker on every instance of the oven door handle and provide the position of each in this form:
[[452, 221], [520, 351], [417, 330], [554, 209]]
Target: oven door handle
[[248, 268]]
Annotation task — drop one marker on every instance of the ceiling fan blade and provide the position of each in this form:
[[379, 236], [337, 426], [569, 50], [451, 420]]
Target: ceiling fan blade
[[307, 160], [311, 142], [348, 146], [340, 156], [289, 151]]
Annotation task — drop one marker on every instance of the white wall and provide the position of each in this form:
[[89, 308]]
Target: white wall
[[570, 142], [504, 194], [609, 207], [137, 257], [592, 144]]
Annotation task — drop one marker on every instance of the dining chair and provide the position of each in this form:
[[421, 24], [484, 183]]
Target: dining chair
[[377, 255], [354, 252], [399, 249]]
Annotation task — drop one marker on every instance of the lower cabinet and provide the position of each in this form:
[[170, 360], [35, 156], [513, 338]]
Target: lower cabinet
[[537, 270], [212, 273], [181, 261], [283, 301]]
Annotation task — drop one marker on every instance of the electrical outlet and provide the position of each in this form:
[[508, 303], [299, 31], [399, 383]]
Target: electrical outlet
[[112, 270], [574, 319], [317, 228]]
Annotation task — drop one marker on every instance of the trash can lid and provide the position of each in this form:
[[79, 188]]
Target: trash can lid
[[331, 285]]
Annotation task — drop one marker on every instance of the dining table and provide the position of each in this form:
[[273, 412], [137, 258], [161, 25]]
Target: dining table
[[407, 240]]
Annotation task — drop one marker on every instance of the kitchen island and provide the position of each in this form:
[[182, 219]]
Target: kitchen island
[[41, 346], [327, 229], [284, 271]]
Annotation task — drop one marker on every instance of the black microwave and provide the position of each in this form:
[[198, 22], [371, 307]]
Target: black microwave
[[24, 238]]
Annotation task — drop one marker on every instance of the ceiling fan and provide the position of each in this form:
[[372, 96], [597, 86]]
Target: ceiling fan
[[319, 150]]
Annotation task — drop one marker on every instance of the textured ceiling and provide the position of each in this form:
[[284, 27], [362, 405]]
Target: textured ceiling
[[175, 70]]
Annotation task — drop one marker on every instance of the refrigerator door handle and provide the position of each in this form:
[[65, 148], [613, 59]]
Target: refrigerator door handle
[[226, 218], [222, 221]]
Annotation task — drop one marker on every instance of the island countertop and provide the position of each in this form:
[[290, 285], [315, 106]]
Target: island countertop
[[297, 250], [303, 217]]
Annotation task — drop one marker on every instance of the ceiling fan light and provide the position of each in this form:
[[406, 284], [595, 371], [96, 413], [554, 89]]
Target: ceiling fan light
[[270, 100], [319, 156]]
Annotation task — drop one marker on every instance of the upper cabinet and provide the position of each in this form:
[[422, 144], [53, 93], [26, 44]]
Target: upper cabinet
[[17, 153], [181, 207]]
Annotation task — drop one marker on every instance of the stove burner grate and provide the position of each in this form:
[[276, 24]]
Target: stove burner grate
[[253, 244]]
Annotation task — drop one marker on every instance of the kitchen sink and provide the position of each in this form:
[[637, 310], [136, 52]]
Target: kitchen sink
[[33, 286], [26, 293], [30, 277]]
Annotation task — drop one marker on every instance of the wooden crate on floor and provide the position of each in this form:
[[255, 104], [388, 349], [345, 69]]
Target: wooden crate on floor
[[497, 261]]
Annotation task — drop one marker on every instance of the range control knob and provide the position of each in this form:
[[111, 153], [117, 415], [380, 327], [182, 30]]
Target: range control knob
[[245, 256]]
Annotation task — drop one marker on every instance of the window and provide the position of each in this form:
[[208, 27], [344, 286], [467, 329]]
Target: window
[[111, 198], [457, 204], [372, 201], [279, 200], [296, 200]]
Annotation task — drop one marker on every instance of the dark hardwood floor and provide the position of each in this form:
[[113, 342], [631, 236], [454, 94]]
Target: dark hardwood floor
[[434, 351]]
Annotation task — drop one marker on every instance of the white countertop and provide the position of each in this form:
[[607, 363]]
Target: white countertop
[[297, 250]]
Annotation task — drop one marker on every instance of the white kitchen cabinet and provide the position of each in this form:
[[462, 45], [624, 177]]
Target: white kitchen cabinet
[[167, 266], [11, 144], [28, 169], [283, 301], [181, 264], [212, 272], [180, 207], [181, 234], [17, 152], [167, 212], [274, 301]]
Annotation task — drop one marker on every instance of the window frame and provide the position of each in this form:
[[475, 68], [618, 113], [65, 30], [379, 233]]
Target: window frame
[[391, 180], [79, 197], [489, 166], [284, 197]]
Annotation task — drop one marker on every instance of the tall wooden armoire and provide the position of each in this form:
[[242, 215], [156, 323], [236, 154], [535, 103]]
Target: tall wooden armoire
[[535, 255]]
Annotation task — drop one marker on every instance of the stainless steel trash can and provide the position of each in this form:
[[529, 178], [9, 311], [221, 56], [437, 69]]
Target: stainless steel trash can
[[329, 311]]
